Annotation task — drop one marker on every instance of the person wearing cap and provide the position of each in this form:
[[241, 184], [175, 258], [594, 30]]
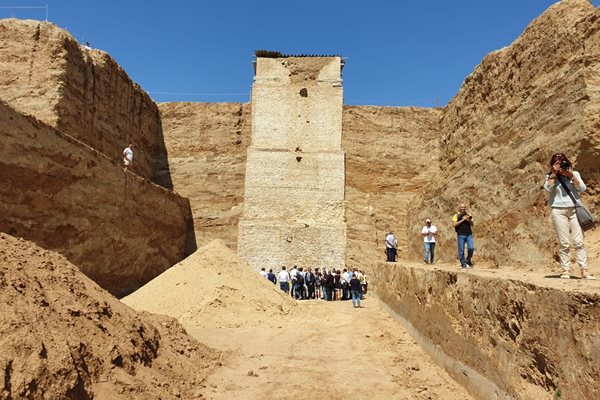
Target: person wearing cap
[[391, 247], [429, 232]]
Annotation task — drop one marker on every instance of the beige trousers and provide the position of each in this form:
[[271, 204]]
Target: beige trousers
[[566, 226]]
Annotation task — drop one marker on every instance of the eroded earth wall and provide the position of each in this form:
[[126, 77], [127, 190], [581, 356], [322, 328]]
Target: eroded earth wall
[[531, 341], [207, 144], [82, 92], [119, 229], [538, 96], [391, 156]]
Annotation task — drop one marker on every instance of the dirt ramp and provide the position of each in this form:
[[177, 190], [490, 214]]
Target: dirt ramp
[[213, 288], [63, 337]]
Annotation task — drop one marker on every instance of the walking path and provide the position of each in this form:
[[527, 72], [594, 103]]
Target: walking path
[[326, 350]]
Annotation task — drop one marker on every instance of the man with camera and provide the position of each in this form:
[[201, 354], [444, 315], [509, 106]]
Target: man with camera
[[462, 222]]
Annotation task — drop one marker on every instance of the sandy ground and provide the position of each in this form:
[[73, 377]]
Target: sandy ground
[[328, 349]]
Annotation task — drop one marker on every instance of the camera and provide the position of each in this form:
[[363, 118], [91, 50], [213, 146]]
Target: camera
[[564, 164]]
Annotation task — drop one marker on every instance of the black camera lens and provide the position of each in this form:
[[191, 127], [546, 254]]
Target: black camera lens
[[565, 164]]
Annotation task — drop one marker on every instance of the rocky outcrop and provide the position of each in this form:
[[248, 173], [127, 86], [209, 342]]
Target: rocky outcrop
[[81, 92], [530, 339], [118, 228], [524, 102], [207, 144]]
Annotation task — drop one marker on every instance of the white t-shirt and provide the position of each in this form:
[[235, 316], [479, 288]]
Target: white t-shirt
[[263, 273], [390, 241], [429, 238], [283, 276], [128, 154]]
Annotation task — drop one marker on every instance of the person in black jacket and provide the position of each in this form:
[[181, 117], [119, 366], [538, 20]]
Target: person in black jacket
[[462, 222], [271, 276], [310, 280], [356, 291]]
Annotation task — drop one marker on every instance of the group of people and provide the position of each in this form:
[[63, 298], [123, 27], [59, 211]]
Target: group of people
[[328, 284], [564, 186]]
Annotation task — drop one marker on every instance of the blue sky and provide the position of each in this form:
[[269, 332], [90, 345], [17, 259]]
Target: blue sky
[[399, 53]]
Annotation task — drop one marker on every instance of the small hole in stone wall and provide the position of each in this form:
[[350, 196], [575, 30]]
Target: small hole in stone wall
[[298, 149], [303, 92], [289, 239], [298, 159]]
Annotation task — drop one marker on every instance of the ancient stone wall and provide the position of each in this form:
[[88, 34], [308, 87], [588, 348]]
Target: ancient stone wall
[[119, 229], [501, 336], [294, 190], [82, 92]]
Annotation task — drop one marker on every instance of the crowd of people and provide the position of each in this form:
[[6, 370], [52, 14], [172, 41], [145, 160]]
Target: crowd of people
[[326, 284]]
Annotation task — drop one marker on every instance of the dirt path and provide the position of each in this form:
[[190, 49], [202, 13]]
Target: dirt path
[[330, 350]]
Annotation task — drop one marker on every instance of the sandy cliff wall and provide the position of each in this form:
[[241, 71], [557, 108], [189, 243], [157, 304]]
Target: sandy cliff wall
[[519, 106], [530, 340], [84, 93], [207, 144], [391, 155], [118, 228]]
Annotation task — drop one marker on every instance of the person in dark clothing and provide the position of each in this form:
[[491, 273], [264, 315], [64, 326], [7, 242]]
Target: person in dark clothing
[[271, 276], [329, 286], [337, 294], [299, 294], [356, 291], [462, 222], [310, 280]]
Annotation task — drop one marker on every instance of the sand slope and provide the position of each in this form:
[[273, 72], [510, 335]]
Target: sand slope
[[213, 288], [63, 337]]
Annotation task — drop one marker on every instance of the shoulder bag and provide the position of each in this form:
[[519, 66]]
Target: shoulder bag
[[584, 217]]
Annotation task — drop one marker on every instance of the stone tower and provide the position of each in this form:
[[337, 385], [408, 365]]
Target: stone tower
[[294, 211]]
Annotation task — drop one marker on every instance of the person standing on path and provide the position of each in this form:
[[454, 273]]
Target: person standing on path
[[462, 222], [356, 291], [271, 276], [128, 157], [284, 280], [429, 232], [391, 247], [561, 181]]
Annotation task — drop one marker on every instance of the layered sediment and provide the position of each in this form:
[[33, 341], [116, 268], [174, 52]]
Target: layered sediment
[[525, 338], [119, 229], [82, 92]]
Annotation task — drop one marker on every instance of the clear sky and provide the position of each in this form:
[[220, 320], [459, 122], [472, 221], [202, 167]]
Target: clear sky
[[399, 52]]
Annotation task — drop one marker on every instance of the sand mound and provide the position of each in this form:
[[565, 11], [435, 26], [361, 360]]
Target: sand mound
[[213, 288], [63, 337]]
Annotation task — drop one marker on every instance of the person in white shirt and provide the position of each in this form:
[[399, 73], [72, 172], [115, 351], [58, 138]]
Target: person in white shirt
[[391, 247], [263, 272], [429, 232], [128, 157], [284, 280]]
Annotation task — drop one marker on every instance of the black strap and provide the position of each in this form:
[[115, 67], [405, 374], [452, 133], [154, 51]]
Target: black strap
[[567, 189]]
